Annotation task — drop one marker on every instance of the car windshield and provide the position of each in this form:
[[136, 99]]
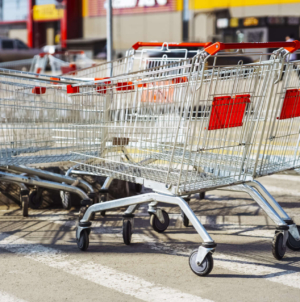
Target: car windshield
[[21, 45]]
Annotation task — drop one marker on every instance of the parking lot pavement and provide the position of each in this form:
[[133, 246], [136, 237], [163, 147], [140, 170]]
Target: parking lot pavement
[[40, 260]]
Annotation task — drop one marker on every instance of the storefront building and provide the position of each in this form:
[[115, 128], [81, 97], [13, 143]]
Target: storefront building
[[41, 22], [246, 20], [134, 20]]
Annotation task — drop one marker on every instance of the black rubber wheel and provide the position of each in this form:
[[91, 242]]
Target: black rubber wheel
[[93, 216], [202, 195], [21, 201], [81, 213], [66, 200], [24, 207], [157, 225], [83, 242], [103, 199], [278, 250], [205, 268], [293, 244], [185, 220], [138, 188], [127, 232], [35, 200]]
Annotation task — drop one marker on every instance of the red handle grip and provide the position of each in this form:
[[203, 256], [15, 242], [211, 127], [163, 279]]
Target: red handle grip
[[137, 45], [216, 47]]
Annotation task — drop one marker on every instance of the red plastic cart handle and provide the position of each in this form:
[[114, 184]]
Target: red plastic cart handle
[[216, 47], [137, 45]]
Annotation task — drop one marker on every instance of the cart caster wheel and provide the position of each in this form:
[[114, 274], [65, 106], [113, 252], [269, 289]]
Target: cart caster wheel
[[103, 199], [185, 220], [138, 188], [83, 242], [66, 200], [81, 213], [205, 268], [24, 206], [127, 231], [21, 202], [93, 216], [202, 195], [157, 225], [35, 199], [292, 243], [278, 250]]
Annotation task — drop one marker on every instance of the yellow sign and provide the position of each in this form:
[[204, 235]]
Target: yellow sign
[[209, 4], [234, 22], [251, 22], [47, 12]]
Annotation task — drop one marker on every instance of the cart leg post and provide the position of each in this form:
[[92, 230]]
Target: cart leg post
[[146, 198]]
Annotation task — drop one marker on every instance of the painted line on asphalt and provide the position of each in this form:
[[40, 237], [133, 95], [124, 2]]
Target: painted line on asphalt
[[99, 274], [5, 297], [234, 263]]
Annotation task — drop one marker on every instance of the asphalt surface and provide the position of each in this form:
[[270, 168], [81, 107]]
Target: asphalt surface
[[40, 260]]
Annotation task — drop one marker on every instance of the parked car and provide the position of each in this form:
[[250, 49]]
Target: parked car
[[15, 49]]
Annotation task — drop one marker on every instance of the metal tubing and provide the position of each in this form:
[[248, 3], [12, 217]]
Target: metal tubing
[[270, 199], [262, 203], [52, 176], [42, 183], [131, 209], [146, 198], [107, 183]]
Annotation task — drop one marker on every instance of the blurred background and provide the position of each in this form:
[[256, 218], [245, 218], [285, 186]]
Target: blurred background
[[29, 27]]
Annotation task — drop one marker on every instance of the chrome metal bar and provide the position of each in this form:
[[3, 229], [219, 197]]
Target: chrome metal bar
[[52, 176], [146, 198], [272, 214], [42, 183]]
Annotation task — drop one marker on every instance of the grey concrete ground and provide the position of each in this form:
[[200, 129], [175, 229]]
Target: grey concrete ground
[[39, 259]]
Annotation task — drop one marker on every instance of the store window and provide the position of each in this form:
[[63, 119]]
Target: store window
[[14, 10]]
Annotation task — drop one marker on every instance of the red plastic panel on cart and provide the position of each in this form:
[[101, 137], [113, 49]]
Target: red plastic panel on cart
[[102, 88], [227, 112], [39, 90], [71, 89], [125, 86], [291, 104]]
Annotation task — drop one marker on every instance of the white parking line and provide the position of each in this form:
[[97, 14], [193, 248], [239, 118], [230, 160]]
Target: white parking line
[[99, 274], [234, 263], [5, 297]]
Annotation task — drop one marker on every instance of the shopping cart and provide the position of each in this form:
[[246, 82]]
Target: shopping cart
[[196, 130], [136, 59], [60, 62], [169, 55], [17, 64], [40, 128]]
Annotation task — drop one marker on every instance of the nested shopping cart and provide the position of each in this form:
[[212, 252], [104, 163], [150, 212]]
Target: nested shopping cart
[[142, 55], [199, 129], [60, 62], [136, 59], [40, 124]]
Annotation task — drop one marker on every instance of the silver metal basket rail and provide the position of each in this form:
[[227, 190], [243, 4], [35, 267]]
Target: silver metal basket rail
[[23, 65], [140, 59]]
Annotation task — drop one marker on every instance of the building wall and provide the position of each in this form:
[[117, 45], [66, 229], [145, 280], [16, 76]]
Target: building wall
[[202, 25], [288, 9], [128, 29], [20, 34]]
